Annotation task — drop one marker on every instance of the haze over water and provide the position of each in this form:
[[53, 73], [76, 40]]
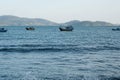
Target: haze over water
[[87, 53]]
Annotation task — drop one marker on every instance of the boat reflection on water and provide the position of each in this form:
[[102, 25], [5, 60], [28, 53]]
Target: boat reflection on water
[[66, 28]]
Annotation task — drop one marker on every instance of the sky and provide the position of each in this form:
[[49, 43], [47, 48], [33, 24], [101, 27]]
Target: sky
[[63, 10]]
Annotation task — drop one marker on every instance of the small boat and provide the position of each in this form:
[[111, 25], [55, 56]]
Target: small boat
[[3, 30], [30, 28], [117, 29], [67, 28]]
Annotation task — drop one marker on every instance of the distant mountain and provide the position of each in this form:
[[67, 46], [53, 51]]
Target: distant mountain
[[88, 23], [9, 20]]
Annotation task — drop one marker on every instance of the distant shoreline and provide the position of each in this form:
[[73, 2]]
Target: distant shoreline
[[9, 20]]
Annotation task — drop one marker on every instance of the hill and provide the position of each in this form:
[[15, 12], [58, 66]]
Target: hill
[[8, 20], [88, 23]]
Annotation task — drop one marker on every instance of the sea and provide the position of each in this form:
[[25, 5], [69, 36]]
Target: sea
[[86, 53]]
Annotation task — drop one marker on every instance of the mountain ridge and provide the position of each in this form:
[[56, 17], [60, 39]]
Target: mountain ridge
[[9, 20], [88, 23]]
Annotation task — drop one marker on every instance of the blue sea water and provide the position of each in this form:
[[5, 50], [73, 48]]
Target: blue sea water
[[87, 53]]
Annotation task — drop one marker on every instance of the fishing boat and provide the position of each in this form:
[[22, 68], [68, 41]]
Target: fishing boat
[[30, 28], [117, 29], [3, 30], [66, 28]]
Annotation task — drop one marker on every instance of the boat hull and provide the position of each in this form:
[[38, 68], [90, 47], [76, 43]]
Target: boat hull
[[61, 29], [30, 28], [118, 29], [3, 30]]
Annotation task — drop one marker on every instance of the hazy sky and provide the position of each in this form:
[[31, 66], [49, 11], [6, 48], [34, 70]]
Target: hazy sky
[[63, 10]]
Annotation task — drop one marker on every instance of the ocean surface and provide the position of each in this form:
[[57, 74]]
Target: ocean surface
[[87, 53]]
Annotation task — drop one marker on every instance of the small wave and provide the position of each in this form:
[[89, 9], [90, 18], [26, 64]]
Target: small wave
[[29, 50], [40, 45], [103, 77], [53, 48], [99, 48], [36, 48], [58, 76]]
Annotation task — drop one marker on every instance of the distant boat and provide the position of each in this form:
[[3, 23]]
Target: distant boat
[[3, 30], [66, 28], [117, 29], [30, 28]]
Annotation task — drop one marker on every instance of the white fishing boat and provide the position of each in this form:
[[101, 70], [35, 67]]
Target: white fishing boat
[[66, 28]]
